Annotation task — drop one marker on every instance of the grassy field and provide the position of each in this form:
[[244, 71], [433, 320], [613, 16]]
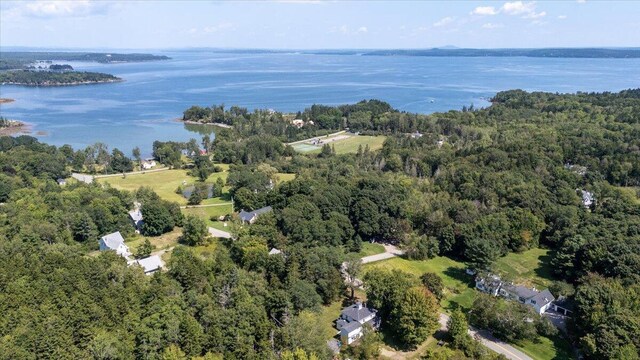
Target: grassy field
[[349, 145], [529, 268], [459, 286], [164, 183], [546, 349], [207, 212], [327, 317], [369, 249]]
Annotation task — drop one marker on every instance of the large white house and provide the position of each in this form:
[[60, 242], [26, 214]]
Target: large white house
[[352, 320], [114, 242], [539, 300], [251, 217]]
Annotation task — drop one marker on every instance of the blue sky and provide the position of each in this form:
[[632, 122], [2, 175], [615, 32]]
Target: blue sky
[[317, 24]]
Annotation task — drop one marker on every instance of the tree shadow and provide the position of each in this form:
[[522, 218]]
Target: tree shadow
[[460, 275], [544, 270]]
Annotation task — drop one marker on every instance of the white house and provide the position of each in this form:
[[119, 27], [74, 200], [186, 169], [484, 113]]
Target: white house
[[352, 319], [150, 264], [251, 217], [587, 198], [275, 251], [539, 300], [114, 242], [148, 164]]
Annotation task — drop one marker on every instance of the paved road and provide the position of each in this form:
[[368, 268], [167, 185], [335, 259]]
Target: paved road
[[130, 173], [484, 336], [219, 233], [207, 205], [389, 252], [316, 137], [489, 341]]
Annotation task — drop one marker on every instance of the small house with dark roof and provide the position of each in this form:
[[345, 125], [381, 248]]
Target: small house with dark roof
[[252, 216], [352, 320]]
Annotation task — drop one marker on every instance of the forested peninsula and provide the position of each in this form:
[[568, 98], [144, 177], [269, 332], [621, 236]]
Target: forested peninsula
[[475, 189], [37, 68], [54, 78]]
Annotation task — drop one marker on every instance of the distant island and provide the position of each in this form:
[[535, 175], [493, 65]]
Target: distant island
[[37, 68], [537, 53], [6, 100], [54, 78]]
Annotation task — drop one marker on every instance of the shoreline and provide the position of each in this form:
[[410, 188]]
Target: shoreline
[[199, 123], [17, 128], [63, 84]]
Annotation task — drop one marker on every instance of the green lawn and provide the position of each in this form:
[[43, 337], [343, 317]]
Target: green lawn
[[369, 249], [529, 268], [459, 289], [345, 146], [283, 177], [327, 317], [207, 212], [164, 183], [546, 349]]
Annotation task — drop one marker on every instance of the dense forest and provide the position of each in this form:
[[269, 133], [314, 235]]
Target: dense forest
[[472, 185], [21, 59], [54, 78]]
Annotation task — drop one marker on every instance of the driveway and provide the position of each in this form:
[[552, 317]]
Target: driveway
[[390, 251], [219, 233]]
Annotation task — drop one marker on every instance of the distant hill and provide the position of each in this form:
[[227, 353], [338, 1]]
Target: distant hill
[[22, 59], [539, 53]]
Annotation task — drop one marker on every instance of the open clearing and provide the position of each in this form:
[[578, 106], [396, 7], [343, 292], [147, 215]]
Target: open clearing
[[633, 193], [529, 268], [343, 143], [164, 183]]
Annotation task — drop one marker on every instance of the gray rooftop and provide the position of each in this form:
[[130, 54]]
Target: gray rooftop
[[350, 327], [357, 312], [150, 263], [113, 240], [543, 297], [521, 291], [247, 216], [136, 215]]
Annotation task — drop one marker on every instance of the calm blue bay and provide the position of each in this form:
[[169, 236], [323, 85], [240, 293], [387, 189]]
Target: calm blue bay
[[144, 107]]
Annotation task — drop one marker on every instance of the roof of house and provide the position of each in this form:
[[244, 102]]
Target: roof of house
[[150, 263], [543, 297], [113, 240], [357, 312], [61, 181], [274, 251], [521, 291], [247, 216], [351, 327], [136, 215]]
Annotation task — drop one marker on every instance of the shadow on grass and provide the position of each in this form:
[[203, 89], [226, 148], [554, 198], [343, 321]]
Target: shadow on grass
[[544, 270], [460, 275]]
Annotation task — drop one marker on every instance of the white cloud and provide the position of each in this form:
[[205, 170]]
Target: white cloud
[[484, 10], [443, 21], [581, 1], [492, 26], [526, 9], [562, 17], [78, 8], [362, 29]]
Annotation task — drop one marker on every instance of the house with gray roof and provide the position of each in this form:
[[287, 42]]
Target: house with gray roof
[[149, 264], [252, 216], [136, 218], [114, 242], [353, 319], [492, 284]]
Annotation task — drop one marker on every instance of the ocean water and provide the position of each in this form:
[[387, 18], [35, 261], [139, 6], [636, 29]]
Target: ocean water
[[144, 107]]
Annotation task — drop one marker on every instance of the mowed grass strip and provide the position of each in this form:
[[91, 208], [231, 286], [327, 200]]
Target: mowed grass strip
[[530, 268], [344, 146], [164, 183]]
